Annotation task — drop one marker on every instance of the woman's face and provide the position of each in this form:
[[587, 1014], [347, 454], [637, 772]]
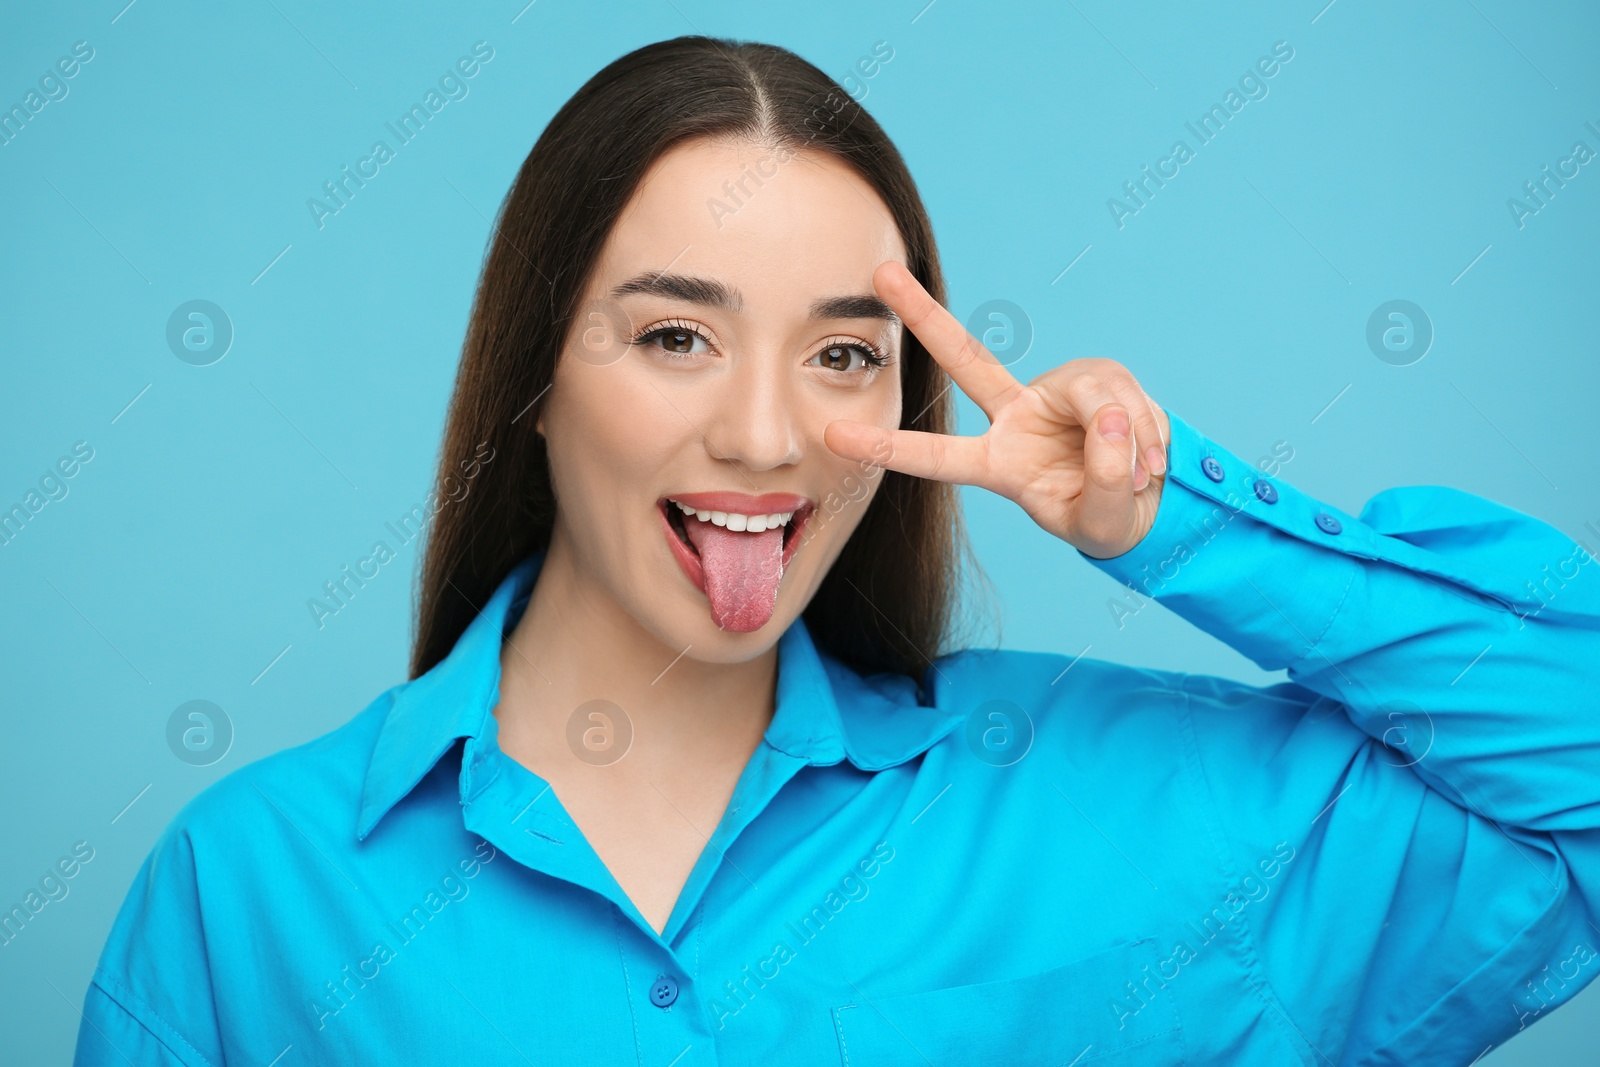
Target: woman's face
[[730, 318]]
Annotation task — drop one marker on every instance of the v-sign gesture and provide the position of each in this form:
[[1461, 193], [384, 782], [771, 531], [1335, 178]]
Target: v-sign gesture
[[1079, 448]]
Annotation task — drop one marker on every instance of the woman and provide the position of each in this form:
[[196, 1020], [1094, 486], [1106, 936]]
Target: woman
[[683, 773]]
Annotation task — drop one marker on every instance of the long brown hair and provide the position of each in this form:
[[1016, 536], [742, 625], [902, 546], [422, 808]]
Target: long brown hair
[[887, 602]]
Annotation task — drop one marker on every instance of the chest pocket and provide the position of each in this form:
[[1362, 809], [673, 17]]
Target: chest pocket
[[1080, 1014]]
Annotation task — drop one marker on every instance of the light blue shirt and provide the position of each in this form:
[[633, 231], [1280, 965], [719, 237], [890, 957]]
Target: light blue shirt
[[1041, 860]]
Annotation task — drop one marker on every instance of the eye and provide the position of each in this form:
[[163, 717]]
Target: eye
[[851, 358], [675, 340]]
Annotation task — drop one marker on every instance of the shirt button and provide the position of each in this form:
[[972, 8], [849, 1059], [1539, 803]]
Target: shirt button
[[1327, 523], [1266, 491], [1212, 468], [664, 991]]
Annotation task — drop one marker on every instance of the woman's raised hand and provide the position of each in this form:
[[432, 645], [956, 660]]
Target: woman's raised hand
[[1081, 448]]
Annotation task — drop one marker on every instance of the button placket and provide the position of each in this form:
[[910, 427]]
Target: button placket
[[654, 977]]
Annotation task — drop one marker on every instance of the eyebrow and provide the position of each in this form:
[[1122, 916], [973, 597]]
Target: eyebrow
[[711, 293]]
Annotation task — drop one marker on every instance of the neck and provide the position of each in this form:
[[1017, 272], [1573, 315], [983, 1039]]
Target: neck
[[575, 643]]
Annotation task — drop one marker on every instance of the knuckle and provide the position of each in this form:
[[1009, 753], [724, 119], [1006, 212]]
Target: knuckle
[[1101, 367], [1086, 389], [1110, 469]]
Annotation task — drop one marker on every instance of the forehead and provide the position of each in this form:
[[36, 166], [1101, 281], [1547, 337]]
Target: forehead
[[779, 225]]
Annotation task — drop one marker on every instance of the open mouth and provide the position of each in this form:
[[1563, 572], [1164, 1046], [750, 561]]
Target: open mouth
[[679, 515], [734, 549]]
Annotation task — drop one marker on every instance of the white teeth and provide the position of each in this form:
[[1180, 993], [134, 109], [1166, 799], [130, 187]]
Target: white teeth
[[734, 520]]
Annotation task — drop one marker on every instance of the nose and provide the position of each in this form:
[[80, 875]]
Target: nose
[[757, 422]]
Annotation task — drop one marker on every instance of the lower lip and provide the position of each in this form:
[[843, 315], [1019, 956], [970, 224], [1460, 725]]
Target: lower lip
[[689, 560]]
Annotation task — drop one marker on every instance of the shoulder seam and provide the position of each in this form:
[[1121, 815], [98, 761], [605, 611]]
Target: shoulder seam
[[120, 995]]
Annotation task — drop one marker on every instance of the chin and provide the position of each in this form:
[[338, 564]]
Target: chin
[[720, 646]]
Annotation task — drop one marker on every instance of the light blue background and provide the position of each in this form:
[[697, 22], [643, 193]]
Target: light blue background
[[179, 165]]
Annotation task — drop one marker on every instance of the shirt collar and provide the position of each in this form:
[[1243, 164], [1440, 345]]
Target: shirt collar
[[825, 711]]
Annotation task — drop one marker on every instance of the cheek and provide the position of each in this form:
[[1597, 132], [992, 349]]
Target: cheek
[[843, 493], [588, 474], [879, 404], [882, 408], [847, 486], [608, 434]]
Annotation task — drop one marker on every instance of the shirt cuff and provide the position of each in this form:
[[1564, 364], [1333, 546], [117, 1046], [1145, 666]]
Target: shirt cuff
[[1240, 553]]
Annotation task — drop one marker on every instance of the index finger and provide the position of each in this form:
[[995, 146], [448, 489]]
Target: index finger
[[972, 366], [937, 456]]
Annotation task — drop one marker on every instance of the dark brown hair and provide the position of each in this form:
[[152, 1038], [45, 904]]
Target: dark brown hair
[[887, 602]]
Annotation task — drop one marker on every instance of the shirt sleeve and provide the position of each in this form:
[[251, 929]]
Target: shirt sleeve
[[1432, 766], [150, 1001], [112, 1033]]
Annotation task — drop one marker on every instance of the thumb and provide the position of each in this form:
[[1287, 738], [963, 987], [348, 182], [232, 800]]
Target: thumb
[[1106, 508]]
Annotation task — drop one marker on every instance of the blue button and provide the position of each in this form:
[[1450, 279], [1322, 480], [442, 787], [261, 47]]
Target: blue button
[[1327, 523], [1212, 468], [664, 992], [1266, 492]]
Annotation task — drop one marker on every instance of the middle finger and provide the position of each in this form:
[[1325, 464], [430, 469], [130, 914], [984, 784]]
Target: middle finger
[[973, 367]]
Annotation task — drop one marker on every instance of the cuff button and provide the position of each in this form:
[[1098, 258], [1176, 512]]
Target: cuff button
[[1327, 523], [1212, 468]]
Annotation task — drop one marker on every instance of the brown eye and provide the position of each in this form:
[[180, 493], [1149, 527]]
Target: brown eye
[[847, 359], [674, 341]]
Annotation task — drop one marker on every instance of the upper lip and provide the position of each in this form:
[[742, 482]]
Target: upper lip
[[743, 503]]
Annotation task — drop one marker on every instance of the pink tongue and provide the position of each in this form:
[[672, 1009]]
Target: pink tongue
[[742, 572]]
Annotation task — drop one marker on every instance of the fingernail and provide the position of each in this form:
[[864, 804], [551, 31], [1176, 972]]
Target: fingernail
[[1154, 460], [1114, 425]]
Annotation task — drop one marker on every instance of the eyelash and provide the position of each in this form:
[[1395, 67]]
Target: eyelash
[[874, 356]]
